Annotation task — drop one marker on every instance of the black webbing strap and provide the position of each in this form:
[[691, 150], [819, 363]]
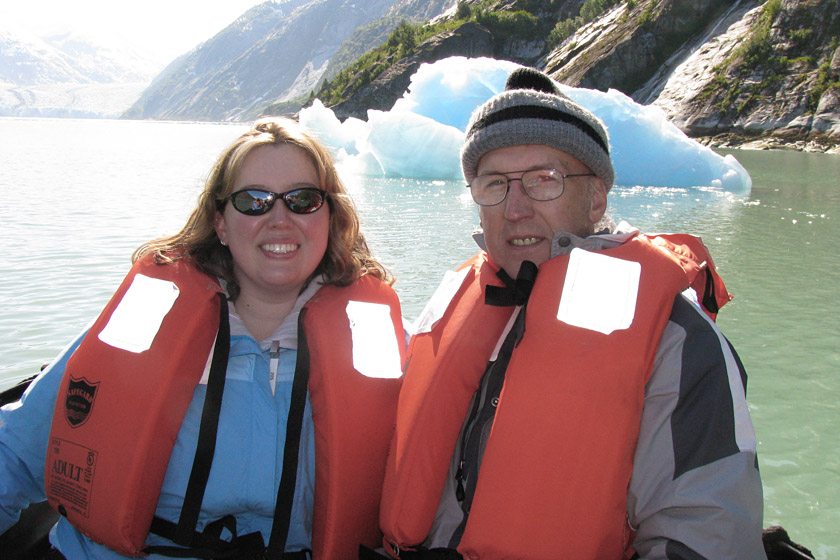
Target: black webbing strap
[[709, 298], [421, 553], [209, 543], [207, 431], [294, 423], [514, 292]]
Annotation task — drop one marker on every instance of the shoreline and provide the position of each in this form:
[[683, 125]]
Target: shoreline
[[741, 142]]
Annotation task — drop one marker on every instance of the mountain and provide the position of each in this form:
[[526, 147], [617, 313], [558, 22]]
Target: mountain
[[352, 92], [724, 71], [727, 72], [377, 32], [67, 76], [275, 51]]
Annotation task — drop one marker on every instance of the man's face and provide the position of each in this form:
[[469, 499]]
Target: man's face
[[520, 228]]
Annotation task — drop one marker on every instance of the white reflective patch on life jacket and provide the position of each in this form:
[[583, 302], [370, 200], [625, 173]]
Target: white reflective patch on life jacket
[[375, 350], [599, 292], [436, 306], [137, 319]]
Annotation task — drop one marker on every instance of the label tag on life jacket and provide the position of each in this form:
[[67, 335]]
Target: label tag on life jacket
[[375, 350], [137, 319], [599, 292]]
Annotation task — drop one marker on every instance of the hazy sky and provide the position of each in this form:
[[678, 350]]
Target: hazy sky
[[163, 29]]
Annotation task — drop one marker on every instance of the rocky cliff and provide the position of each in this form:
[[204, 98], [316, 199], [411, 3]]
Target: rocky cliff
[[377, 32], [274, 55], [778, 83], [469, 39], [725, 71]]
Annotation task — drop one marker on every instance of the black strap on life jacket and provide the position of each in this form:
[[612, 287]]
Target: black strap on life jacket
[[709, 297], [294, 423], [14, 393], [206, 447], [420, 553], [514, 292], [209, 544]]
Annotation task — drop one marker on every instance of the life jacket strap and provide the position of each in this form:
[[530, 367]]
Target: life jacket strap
[[206, 446], [209, 544], [709, 301], [294, 424]]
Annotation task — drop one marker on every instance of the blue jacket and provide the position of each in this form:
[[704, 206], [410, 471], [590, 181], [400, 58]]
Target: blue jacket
[[246, 468]]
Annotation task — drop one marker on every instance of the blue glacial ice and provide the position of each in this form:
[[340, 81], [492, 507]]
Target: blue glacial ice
[[420, 137]]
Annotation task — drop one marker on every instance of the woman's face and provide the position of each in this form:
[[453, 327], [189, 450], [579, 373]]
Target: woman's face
[[274, 253]]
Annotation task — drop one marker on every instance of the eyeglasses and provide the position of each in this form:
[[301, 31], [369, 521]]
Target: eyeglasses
[[538, 184], [256, 202]]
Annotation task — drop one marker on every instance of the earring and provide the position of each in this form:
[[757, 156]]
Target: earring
[[223, 243]]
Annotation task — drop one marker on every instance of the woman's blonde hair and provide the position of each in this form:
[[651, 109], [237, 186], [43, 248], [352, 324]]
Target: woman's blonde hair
[[347, 256]]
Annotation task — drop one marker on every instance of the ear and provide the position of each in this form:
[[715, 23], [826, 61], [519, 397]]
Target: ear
[[597, 200], [220, 226]]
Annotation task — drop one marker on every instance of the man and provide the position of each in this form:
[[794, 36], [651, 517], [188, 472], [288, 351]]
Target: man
[[588, 409]]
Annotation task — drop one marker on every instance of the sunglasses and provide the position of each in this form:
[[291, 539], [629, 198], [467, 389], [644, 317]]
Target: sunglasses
[[256, 202]]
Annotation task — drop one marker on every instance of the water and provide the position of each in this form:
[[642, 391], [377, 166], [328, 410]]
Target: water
[[77, 197]]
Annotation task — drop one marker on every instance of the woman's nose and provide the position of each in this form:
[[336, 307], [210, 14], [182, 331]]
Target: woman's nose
[[279, 214]]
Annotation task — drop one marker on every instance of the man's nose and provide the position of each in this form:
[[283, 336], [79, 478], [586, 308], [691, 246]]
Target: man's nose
[[518, 205]]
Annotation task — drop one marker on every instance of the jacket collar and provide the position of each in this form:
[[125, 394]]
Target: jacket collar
[[563, 242]]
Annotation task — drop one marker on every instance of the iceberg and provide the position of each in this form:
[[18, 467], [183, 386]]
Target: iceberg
[[420, 137]]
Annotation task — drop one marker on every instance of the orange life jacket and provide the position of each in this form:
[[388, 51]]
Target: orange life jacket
[[555, 472], [693, 256], [119, 412], [354, 421]]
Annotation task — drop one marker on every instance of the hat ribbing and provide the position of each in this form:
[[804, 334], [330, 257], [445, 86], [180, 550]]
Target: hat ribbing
[[533, 110]]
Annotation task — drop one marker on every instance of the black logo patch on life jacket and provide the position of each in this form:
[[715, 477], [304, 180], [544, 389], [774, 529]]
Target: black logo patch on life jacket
[[78, 402]]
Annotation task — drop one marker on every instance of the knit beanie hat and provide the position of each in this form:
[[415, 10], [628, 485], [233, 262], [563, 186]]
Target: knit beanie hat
[[533, 110]]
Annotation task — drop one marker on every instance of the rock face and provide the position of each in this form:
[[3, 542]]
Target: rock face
[[726, 71], [469, 40], [781, 79], [275, 53], [626, 47], [377, 32]]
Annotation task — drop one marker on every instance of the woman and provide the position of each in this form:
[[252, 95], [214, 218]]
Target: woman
[[187, 399]]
